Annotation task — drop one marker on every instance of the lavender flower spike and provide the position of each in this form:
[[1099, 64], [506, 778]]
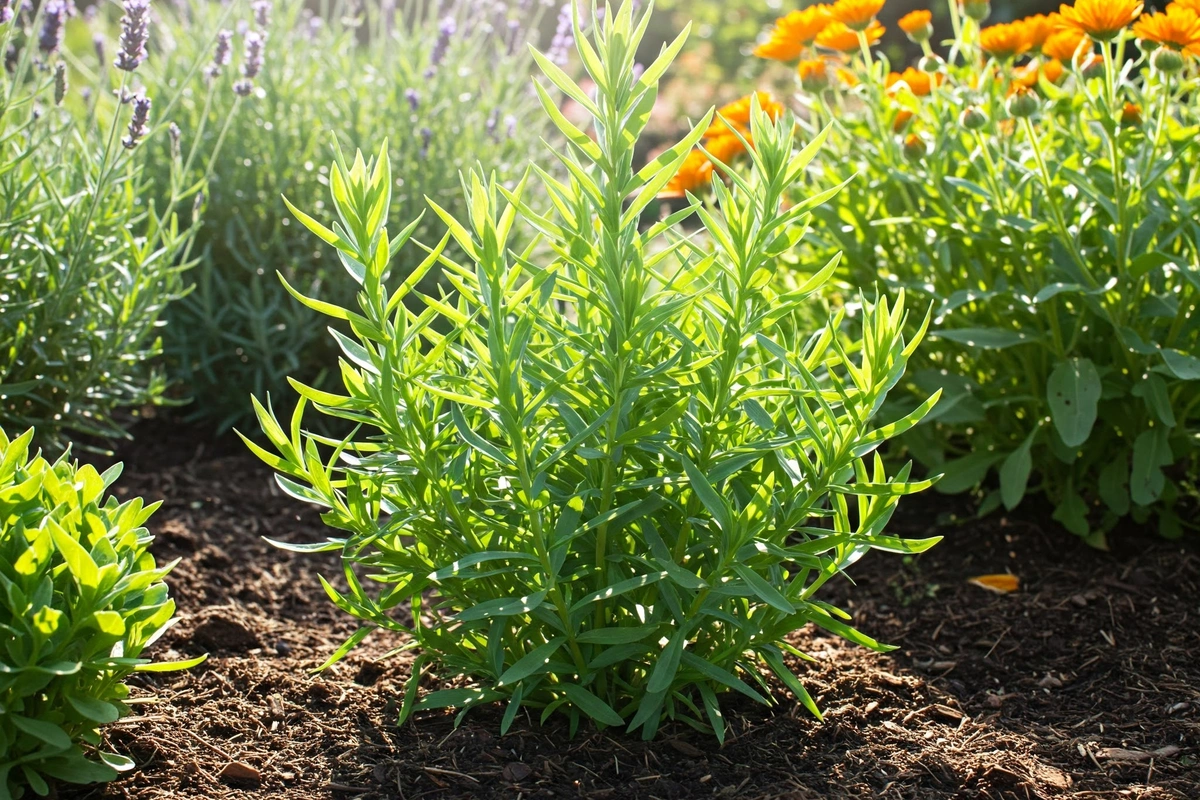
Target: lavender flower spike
[[252, 61], [6, 12], [262, 13], [138, 123], [446, 29], [54, 22], [60, 83], [221, 53], [135, 31], [413, 97]]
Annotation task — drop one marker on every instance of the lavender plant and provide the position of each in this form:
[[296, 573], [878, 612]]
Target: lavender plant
[[431, 78], [613, 471], [90, 255]]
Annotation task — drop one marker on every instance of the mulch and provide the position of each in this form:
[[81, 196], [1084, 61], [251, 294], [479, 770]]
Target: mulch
[[1085, 683]]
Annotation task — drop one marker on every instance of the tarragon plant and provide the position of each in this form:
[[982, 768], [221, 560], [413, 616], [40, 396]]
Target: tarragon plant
[[80, 599], [610, 474]]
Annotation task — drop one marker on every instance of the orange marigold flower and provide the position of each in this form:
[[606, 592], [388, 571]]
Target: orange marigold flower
[[1194, 5], [1053, 70], [840, 38], [857, 15], [695, 173], [847, 77], [725, 147], [1004, 41], [919, 83], [1178, 29], [814, 74], [1038, 29], [737, 113], [794, 33], [903, 117], [1064, 44], [1100, 19], [1131, 115], [915, 21], [1026, 75]]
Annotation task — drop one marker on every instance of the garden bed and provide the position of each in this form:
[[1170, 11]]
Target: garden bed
[[1084, 683]]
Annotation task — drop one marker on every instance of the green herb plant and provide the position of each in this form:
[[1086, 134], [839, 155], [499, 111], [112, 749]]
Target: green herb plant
[[452, 78], [80, 600], [90, 253], [611, 473]]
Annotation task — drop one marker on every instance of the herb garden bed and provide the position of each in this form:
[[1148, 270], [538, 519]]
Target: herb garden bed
[[1081, 684]]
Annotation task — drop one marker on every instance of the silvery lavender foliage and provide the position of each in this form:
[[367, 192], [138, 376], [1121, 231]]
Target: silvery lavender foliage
[[54, 23], [135, 31], [413, 97], [221, 53], [560, 45], [60, 83], [252, 61], [139, 122], [446, 29]]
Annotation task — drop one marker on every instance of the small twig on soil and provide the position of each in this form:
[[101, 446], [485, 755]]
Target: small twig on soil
[[439, 771]]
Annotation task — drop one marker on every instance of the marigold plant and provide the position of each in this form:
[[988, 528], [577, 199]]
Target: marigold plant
[[611, 473], [1042, 195]]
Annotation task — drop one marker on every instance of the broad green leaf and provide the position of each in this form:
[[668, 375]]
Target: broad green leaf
[[1073, 393]]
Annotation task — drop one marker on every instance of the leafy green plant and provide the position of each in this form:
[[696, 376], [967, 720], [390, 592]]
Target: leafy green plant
[[612, 472], [89, 254], [80, 600], [1047, 209], [448, 82]]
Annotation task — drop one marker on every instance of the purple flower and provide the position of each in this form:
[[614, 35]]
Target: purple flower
[[446, 29], [564, 38], [510, 125], [413, 97], [6, 12], [221, 53], [54, 22], [426, 138], [138, 123], [135, 30], [100, 46], [491, 124], [514, 35], [252, 61], [262, 13]]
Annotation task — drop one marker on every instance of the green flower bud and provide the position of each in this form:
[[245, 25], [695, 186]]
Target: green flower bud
[[972, 118], [1167, 60], [931, 63], [978, 10], [1022, 103]]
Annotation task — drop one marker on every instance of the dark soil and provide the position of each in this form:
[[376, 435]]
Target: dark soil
[[1085, 683]]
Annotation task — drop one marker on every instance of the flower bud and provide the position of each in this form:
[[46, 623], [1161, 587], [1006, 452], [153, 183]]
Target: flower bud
[[1022, 103], [903, 117], [1131, 115], [931, 63], [914, 147], [60, 83], [1167, 60], [978, 10], [972, 118]]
